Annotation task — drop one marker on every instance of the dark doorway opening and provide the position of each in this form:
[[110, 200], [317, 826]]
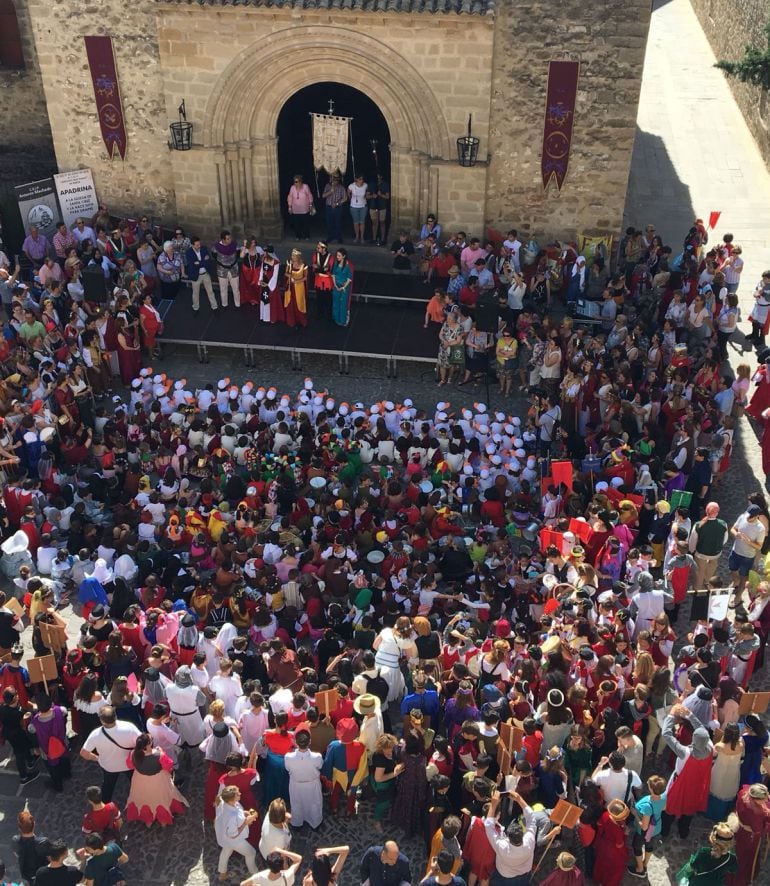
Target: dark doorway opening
[[295, 144]]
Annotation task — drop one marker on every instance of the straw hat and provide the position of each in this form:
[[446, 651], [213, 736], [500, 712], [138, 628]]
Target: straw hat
[[366, 704], [617, 810], [565, 861]]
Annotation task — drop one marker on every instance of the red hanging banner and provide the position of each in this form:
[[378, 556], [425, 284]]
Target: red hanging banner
[[559, 118], [109, 107]]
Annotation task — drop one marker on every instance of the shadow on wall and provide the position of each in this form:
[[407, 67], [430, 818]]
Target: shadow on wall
[[656, 195], [18, 167]]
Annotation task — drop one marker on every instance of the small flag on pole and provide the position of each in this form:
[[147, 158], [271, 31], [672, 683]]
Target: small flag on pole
[[713, 219]]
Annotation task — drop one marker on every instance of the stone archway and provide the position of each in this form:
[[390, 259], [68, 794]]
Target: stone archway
[[242, 114]]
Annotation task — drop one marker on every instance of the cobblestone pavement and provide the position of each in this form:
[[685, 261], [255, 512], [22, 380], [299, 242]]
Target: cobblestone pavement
[[693, 154]]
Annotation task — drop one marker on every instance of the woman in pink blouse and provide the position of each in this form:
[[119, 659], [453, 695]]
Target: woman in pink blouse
[[300, 202]]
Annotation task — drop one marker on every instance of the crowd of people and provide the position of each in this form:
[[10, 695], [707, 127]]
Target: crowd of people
[[452, 620]]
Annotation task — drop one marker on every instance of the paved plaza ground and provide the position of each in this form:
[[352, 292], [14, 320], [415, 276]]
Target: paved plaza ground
[[693, 154]]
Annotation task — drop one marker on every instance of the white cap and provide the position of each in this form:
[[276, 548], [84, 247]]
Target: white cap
[[260, 395], [408, 403], [496, 459], [272, 394], [318, 401], [531, 461], [483, 429], [136, 383], [467, 414], [497, 438], [518, 442], [467, 468], [246, 389], [480, 407], [303, 398], [285, 400], [440, 406], [490, 448], [145, 372], [158, 391], [602, 486], [605, 597], [390, 405], [178, 385], [375, 409], [344, 409], [520, 453], [484, 474], [616, 482], [509, 429], [516, 421], [308, 384], [222, 384], [330, 403], [157, 379], [499, 416], [441, 416]]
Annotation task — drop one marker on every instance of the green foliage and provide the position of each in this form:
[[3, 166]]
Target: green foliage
[[754, 67]]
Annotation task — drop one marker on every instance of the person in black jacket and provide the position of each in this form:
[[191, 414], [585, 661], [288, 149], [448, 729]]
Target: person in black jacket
[[15, 733]]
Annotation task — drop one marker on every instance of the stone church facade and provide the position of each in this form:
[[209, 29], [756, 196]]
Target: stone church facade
[[427, 64]]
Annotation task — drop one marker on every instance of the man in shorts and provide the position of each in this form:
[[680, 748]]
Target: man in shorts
[[749, 534]]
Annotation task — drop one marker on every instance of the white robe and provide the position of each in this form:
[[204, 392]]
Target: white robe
[[304, 768], [183, 702], [227, 690]]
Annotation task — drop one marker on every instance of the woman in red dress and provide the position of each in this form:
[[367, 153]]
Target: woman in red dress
[[129, 357], [151, 325], [251, 262], [244, 778], [610, 845], [65, 400], [753, 810], [760, 399], [322, 280]]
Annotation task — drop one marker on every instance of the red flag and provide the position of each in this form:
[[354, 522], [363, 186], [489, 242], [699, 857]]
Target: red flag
[[132, 684], [560, 103], [713, 219], [109, 106], [562, 473]]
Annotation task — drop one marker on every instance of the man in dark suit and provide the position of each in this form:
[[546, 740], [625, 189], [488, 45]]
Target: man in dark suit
[[199, 268]]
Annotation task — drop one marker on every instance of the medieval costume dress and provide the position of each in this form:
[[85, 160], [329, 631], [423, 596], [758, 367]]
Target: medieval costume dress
[[184, 700], [409, 805], [270, 304], [687, 793], [244, 780], [304, 768], [322, 282], [765, 443], [275, 778], [345, 765], [754, 830], [295, 291], [251, 290], [611, 851], [216, 748], [153, 796]]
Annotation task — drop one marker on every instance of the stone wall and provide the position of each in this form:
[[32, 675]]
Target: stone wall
[[730, 27], [237, 67], [26, 149], [609, 39], [145, 181], [22, 102]]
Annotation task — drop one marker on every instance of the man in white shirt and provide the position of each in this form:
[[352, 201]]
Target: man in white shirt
[[513, 246], [109, 745], [749, 535], [515, 847], [615, 779]]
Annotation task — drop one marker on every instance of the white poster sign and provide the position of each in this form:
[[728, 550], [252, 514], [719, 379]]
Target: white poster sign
[[330, 142], [77, 195]]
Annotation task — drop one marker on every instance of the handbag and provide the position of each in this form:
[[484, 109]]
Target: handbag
[[312, 210], [457, 355]]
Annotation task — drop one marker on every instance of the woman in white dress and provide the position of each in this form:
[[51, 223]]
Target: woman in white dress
[[390, 645], [725, 773], [275, 828]]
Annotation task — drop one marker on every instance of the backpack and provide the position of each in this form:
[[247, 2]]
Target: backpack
[[378, 686]]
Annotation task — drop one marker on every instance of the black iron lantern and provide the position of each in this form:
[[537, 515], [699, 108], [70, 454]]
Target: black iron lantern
[[468, 147], [181, 132]]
